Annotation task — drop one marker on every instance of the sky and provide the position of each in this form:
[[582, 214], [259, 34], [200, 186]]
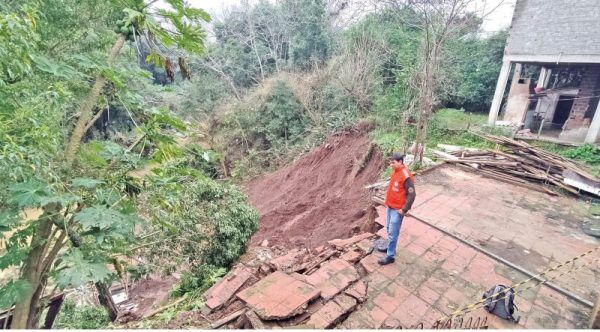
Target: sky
[[496, 19]]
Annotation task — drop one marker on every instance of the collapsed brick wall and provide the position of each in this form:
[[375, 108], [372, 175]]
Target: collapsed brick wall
[[581, 114]]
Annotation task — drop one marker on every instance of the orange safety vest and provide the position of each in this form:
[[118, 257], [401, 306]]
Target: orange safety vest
[[395, 197]]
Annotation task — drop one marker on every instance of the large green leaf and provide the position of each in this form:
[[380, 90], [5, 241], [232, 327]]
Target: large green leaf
[[28, 194], [64, 199], [85, 183], [79, 270], [101, 217], [13, 256], [50, 67], [12, 291], [8, 219]]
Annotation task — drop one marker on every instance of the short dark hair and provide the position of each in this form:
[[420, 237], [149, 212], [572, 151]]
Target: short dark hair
[[397, 157]]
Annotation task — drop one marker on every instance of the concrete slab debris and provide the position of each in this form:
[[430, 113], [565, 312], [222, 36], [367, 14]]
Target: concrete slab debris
[[358, 290], [352, 240], [288, 261], [226, 288], [278, 296], [333, 277]]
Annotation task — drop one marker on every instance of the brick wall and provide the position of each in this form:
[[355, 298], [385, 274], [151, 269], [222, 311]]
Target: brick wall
[[552, 27], [587, 89]]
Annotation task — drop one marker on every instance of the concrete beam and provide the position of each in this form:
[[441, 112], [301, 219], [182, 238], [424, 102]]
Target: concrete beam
[[500, 87], [592, 134], [554, 58]]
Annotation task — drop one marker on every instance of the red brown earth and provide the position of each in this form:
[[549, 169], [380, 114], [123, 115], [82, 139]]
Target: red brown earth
[[319, 197]]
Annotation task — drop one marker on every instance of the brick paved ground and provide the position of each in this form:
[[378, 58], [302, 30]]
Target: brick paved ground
[[435, 274], [532, 229]]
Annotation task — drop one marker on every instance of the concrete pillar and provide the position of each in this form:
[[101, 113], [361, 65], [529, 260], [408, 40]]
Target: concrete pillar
[[500, 87], [544, 76], [542, 83], [594, 130]]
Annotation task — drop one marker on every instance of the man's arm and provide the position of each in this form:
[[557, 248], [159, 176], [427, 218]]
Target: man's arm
[[409, 189]]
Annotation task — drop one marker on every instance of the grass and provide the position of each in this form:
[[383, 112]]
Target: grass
[[454, 119], [448, 126]]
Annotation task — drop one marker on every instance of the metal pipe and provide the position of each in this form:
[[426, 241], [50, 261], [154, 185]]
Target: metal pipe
[[561, 290]]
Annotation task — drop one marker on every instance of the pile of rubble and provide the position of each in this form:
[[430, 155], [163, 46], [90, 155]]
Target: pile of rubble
[[521, 164], [303, 288]]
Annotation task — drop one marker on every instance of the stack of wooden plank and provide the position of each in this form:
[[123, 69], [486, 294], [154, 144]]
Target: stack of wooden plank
[[518, 163]]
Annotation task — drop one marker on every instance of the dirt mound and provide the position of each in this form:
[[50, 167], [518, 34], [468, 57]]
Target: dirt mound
[[319, 197]]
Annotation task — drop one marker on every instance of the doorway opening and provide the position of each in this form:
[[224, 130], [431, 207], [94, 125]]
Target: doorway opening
[[562, 111]]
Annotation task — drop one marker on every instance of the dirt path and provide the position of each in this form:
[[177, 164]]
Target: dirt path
[[319, 197]]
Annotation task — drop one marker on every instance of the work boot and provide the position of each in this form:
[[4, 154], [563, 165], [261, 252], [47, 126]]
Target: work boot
[[386, 260]]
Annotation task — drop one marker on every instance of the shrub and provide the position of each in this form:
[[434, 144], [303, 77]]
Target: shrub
[[587, 153], [84, 317], [199, 221]]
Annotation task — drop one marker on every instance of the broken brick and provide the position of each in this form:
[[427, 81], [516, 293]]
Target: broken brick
[[352, 240], [351, 256], [224, 290], [366, 246], [333, 277], [326, 316], [369, 263], [286, 262], [358, 291], [347, 303], [278, 296], [332, 312]]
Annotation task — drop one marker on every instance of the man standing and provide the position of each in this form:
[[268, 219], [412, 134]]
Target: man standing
[[398, 200]]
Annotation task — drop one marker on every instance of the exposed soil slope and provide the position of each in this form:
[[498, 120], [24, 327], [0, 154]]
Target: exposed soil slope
[[320, 196]]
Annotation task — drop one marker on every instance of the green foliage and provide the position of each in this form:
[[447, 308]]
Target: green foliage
[[78, 270], [587, 153], [282, 117], [202, 220], [279, 122], [198, 280], [51, 51], [447, 126], [311, 42], [458, 119], [18, 38], [83, 317], [474, 68], [12, 291]]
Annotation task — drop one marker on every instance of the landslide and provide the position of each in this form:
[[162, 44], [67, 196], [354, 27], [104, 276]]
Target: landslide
[[319, 197]]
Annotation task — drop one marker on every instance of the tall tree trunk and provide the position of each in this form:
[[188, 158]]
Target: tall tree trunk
[[23, 315], [35, 270], [85, 110], [106, 301], [426, 96], [85, 114]]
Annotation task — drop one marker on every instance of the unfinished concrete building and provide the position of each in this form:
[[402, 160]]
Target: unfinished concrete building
[[552, 61]]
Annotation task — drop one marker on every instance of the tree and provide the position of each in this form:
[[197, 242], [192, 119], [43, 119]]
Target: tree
[[88, 211], [438, 20]]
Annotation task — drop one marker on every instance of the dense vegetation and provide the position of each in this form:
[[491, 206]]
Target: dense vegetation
[[122, 138], [78, 119]]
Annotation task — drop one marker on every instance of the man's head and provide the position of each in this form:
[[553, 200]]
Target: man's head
[[396, 160]]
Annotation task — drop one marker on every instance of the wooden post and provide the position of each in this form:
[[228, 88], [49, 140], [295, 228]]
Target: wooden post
[[53, 310], [499, 93]]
